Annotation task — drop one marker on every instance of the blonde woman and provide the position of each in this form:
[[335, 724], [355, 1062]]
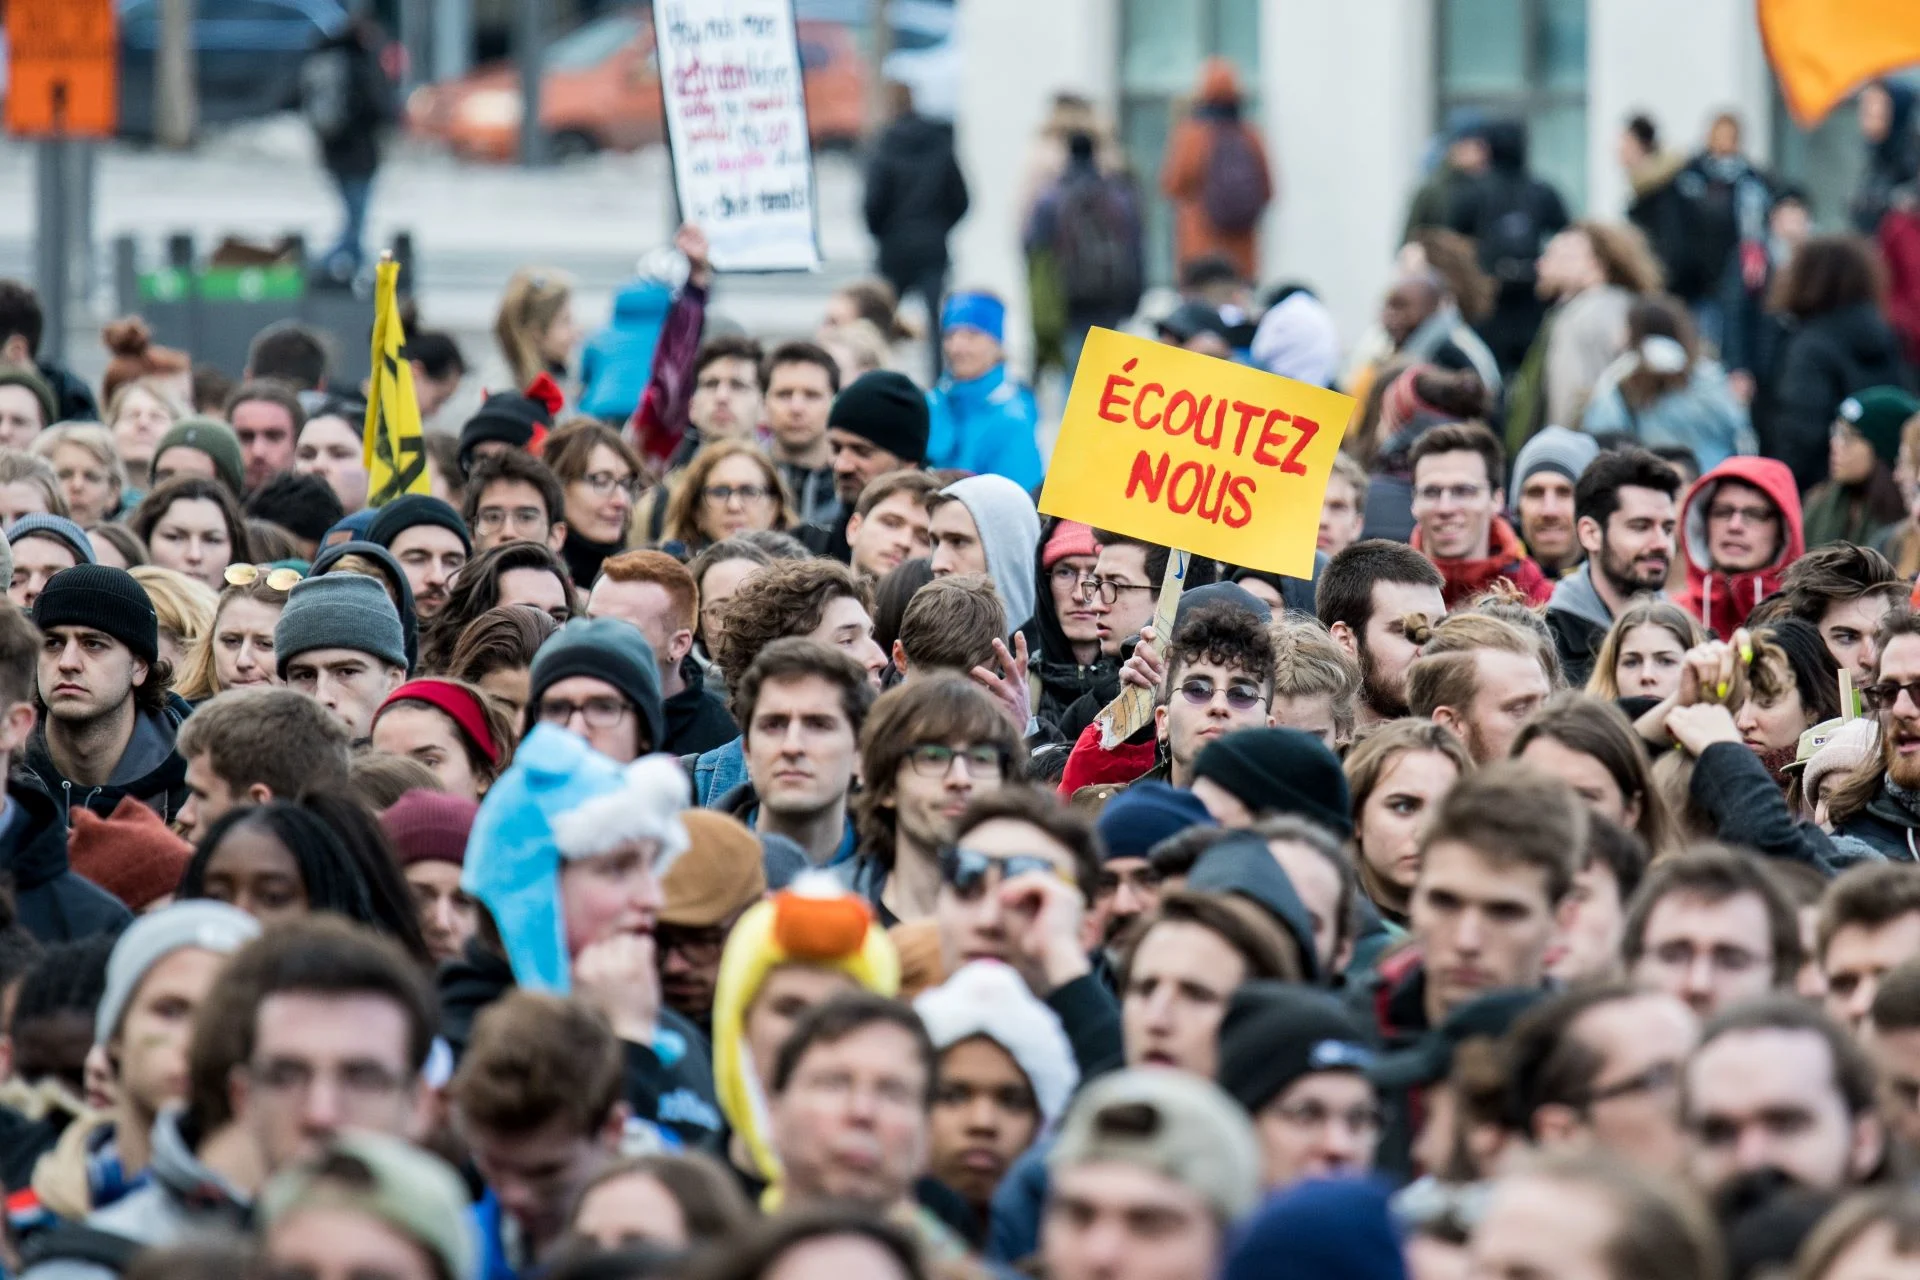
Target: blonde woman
[[89, 471], [1643, 651], [184, 606], [237, 650], [535, 326], [138, 414], [728, 489], [28, 486]]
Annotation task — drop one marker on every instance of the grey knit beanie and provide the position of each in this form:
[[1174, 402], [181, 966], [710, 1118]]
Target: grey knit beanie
[[339, 611], [606, 649], [210, 926], [59, 528]]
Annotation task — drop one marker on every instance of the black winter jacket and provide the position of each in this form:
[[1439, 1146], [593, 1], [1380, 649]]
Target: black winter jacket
[[150, 769], [697, 717], [915, 195], [53, 903], [1827, 358]]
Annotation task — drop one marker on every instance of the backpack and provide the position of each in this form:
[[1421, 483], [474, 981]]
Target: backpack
[[76, 1242], [1095, 248], [1509, 233], [1234, 191], [326, 93]]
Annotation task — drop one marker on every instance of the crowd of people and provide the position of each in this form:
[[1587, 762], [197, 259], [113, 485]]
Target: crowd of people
[[683, 842]]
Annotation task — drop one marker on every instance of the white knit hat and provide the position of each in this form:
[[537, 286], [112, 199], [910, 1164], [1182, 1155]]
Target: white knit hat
[[987, 998]]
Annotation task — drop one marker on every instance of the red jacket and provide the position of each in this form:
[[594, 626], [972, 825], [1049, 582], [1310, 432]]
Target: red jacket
[[1507, 558], [1090, 764], [1722, 600], [1900, 250]]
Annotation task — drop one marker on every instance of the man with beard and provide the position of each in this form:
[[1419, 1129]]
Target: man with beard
[[878, 423], [1130, 825], [1625, 516], [431, 542], [1884, 811], [1480, 678], [1365, 596], [1777, 1086], [1544, 474]]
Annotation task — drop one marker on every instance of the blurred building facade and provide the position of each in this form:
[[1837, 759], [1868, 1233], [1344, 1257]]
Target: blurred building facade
[[1350, 95]]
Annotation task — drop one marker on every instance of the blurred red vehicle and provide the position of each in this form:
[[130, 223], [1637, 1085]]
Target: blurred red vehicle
[[600, 91]]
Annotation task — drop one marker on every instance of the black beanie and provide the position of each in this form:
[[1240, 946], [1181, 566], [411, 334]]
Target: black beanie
[[886, 408], [1280, 771], [1276, 1032], [106, 599], [507, 416], [410, 509]]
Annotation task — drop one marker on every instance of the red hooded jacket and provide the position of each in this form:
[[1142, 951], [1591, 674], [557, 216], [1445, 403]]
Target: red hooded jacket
[[1722, 600], [1506, 558]]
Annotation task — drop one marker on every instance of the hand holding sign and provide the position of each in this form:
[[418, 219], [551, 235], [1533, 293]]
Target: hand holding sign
[[1195, 454], [1200, 454]]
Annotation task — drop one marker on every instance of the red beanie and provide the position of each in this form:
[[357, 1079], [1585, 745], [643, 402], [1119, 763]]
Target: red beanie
[[132, 855], [1070, 538], [429, 826], [459, 705]]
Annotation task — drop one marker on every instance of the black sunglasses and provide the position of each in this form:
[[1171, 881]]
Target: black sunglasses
[[965, 871]]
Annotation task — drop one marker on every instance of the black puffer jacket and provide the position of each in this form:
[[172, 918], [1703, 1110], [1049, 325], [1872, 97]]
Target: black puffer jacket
[[53, 903], [1827, 358], [915, 195]]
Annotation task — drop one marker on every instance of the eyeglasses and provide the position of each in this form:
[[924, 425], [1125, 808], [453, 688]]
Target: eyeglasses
[[1883, 696], [1655, 1079], [1363, 1122], [747, 493], [599, 713], [1242, 695], [1108, 589], [965, 871], [603, 483], [935, 760], [1140, 880], [1432, 493], [365, 1081], [696, 942], [245, 575], [490, 519], [1751, 515]]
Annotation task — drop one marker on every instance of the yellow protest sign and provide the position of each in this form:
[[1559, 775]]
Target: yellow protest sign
[[1180, 449]]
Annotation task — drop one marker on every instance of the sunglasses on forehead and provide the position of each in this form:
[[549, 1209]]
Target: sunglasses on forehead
[[966, 871], [245, 575]]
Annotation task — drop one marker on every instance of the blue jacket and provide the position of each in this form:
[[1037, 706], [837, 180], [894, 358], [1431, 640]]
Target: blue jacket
[[719, 771], [985, 426], [618, 359]]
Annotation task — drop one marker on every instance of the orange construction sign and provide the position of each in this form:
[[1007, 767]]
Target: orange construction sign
[[62, 69], [1822, 50]]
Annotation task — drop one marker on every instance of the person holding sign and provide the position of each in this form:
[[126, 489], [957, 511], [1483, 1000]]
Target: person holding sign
[[1459, 477], [983, 419]]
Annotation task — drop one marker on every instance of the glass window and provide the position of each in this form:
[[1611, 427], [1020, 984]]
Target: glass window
[[1523, 60], [1484, 46], [1163, 44], [1164, 47]]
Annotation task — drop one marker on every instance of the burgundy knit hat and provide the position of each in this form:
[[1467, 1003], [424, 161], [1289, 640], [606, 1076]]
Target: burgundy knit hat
[[429, 826], [132, 855]]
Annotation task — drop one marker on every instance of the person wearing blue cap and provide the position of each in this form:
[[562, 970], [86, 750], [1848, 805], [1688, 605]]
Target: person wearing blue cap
[[1130, 825], [983, 419], [566, 857], [42, 546]]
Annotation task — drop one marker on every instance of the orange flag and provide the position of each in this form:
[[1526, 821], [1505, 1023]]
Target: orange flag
[[1822, 50]]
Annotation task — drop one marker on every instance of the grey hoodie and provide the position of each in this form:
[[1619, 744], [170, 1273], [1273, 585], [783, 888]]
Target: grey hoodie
[[183, 1199], [1575, 594], [1009, 531]]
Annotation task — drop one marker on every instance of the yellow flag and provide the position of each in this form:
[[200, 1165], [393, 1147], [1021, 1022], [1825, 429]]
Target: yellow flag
[[395, 454]]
